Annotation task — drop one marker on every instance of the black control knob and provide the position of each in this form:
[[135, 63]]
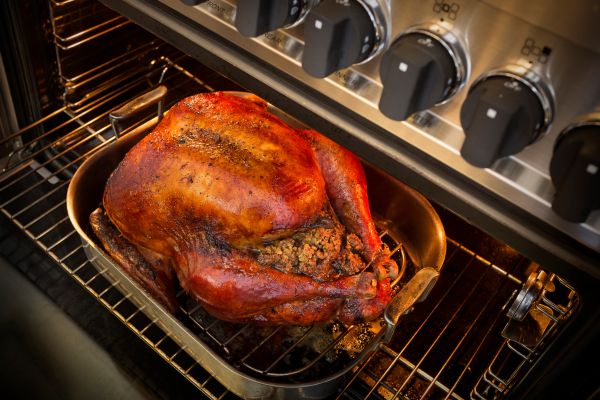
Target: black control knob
[[336, 35], [255, 17], [575, 172], [500, 116], [192, 2], [417, 72]]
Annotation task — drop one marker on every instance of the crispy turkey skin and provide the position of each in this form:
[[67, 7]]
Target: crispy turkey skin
[[259, 222]]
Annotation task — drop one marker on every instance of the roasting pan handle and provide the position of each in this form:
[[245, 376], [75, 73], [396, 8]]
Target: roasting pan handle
[[135, 106], [413, 291]]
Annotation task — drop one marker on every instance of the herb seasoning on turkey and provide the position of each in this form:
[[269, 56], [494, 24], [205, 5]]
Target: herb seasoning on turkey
[[257, 221]]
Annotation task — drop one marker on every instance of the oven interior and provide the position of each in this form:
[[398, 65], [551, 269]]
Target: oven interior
[[459, 343]]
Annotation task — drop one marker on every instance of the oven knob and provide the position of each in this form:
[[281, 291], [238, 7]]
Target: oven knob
[[193, 2], [502, 114], [255, 17], [575, 171], [338, 34], [422, 68]]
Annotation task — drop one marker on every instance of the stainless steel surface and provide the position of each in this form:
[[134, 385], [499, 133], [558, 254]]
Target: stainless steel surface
[[306, 6], [564, 23], [379, 12], [136, 106], [493, 37], [417, 228]]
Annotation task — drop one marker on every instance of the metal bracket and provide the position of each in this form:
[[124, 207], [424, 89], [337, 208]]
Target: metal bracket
[[135, 106], [412, 292]]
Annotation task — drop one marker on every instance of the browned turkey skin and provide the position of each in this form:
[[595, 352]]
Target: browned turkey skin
[[257, 221]]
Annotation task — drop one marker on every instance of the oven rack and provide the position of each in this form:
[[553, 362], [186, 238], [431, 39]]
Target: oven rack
[[90, 51], [393, 370], [75, 26]]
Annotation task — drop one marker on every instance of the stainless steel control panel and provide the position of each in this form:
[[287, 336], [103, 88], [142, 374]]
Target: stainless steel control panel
[[486, 87]]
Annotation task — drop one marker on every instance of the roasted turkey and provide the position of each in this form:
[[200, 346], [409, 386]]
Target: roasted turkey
[[257, 221]]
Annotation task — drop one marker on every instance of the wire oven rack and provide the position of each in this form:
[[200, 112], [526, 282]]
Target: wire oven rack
[[450, 346]]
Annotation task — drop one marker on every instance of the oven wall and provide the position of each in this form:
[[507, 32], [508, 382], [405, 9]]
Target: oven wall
[[28, 59]]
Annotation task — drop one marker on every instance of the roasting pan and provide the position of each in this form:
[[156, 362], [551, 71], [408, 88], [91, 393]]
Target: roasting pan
[[405, 215]]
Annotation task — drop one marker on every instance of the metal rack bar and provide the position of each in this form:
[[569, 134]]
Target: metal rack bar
[[112, 25], [44, 215], [109, 66], [100, 273], [49, 161], [109, 90], [27, 128], [75, 16], [33, 204], [421, 326], [287, 351], [235, 335], [72, 163], [470, 327], [452, 318], [80, 34], [61, 126], [479, 347], [449, 258], [262, 342], [493, 266], [123, 83], [71, 253], [389, 389], [61, 240]]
